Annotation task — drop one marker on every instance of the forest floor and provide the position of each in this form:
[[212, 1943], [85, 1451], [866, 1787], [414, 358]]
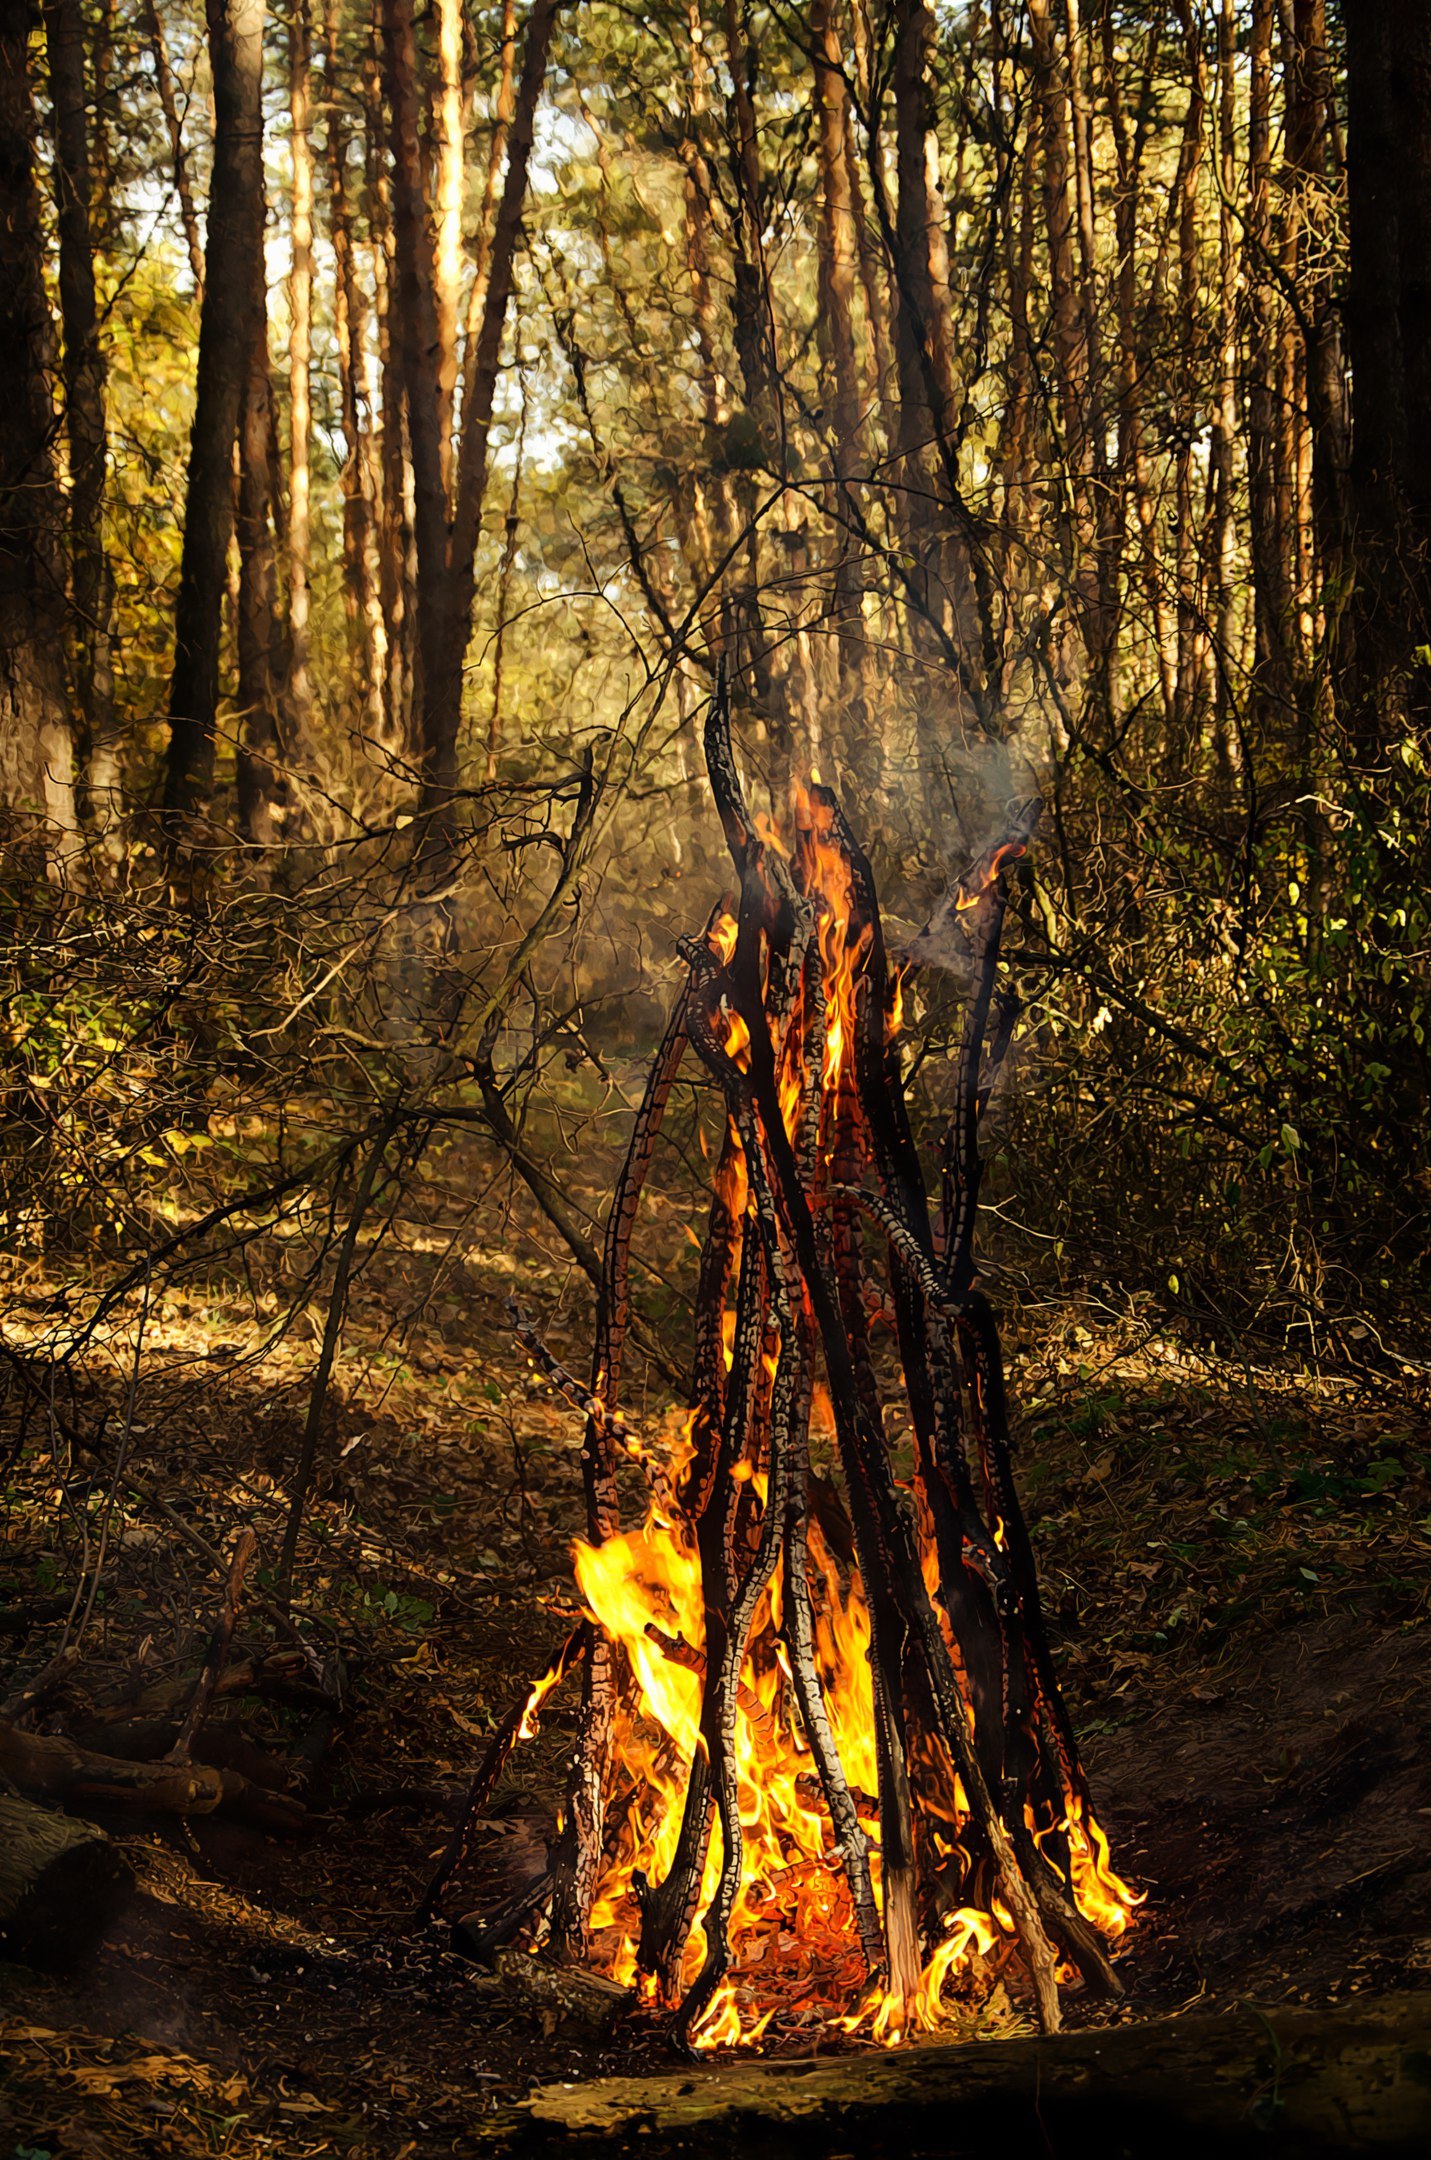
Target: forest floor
[[1235, 1567]]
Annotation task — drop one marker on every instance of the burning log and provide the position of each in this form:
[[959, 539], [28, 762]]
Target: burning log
[[737, 1661]]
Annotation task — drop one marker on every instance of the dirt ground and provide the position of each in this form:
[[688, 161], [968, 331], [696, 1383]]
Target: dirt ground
[[1236, 1573]]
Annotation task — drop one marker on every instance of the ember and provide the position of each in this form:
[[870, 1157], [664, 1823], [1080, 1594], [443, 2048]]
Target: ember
[[824, 1769]]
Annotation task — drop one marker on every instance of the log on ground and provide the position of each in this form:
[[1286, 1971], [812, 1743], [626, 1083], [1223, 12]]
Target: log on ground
[[62, 1885], [1353, 2079], [46, 1764], [568, 2000]]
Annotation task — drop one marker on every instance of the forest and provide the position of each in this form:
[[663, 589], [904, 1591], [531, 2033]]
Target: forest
[[715, 923]]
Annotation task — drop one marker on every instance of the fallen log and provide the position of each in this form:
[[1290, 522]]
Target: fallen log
[[62, 1885], [221, 1746], [567, 1999], [1353, 2079], [46, 1764]]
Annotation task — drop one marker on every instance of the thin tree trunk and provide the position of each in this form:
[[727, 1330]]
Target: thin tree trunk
[[1016, 434], [762, 426], [92, 583], [1069, 319], [447, 552], [385, 397], [1099, 508], [504, 107], [879, 362], [838, 270], [1295, 447], [1382, 612], [1135, 479], [1192, 644], [1308, 106], [947, 551], [504, 592], [914, 297], [233, 287], [484, 353], [1268, 542], [300, 360], [101, 152], [1411, 137], [169, 106], [261, 646], [1225, 416], [416, 296], [350, 329], [36, 751], [707, 528], [751, 311], [448, 189]]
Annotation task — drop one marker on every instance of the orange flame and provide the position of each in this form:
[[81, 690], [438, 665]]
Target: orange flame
[[985, 873]]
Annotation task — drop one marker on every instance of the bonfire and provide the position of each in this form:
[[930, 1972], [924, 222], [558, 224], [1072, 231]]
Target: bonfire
[[824, 1777]]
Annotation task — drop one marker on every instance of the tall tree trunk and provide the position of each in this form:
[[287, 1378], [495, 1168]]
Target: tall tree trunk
[[447, 180], [1098, 507], [262, 654], [1192, 640], [1223, 457], [1411, 140], [1308, 148], [92, 584], [1373, 314], [479, 386], [1134, 465], [707, 528], [1270, 581], [36, 751], [233, 293], [1070, 319], [914, 295], [750, 302], [878, 359], [447, 548], [504, 105], [1383, 611], [350, 330], [179, 156], [384, 369], [948, 556], [504, 592], [101, 151], [838, 270], [300, 360], [416, 297]]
